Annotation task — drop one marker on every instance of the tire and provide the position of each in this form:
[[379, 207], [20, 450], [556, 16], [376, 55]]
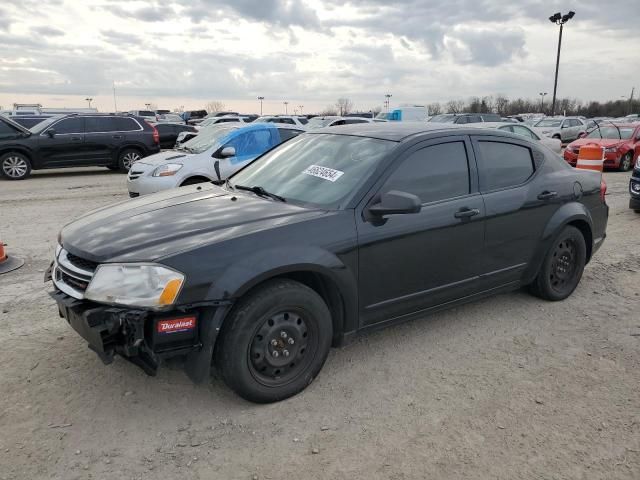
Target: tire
[[637, 211], [127, 157], [277, 317], [15, 166], [562, 267], [626, 162]]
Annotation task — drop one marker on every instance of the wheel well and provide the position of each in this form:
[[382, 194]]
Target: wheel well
[[329, 292], [585, 229], [188, 181], [17, 150], [140, 150]]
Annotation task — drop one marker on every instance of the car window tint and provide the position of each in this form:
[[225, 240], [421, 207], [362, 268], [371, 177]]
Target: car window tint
[[349, 121], [284, 120], [433, 173], [460, 120], [506, 128], [504, 164], [303, 120], [123, 124], [474, 119], [69, 125], [100, 125], [287, 134]]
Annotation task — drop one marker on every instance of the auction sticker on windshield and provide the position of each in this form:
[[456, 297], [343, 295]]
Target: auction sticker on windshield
[[323, 172]]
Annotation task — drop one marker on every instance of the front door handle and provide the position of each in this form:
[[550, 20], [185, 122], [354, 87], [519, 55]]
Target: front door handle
[[76, 139], [547, 195], [117, 137], [466, 213]]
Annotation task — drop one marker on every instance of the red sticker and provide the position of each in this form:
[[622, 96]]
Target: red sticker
[[176, 325]]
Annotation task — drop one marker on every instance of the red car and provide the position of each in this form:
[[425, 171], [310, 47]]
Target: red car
[[619, 140]]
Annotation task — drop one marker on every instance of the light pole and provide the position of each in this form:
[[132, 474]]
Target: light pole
[[89, 100], [261, 99], [286, 109], [300, 107], [542, 95], [558, 19], [387, 101], [148, 105]]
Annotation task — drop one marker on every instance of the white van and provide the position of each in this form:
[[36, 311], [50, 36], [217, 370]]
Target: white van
[[417, 113]]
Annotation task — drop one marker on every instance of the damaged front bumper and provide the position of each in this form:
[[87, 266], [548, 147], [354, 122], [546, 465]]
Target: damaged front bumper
[[146, 337]]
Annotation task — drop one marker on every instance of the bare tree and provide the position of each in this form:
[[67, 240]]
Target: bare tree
[[376, 110], [501, 104], [215, 106], [344, 106], [329, 110], [434, 108], [455, 106]]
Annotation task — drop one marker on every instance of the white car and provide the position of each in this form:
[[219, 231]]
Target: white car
[[566, 129], [288, 119], [170, 118], [212, 122], [215, 154], [334, 120], [521, 129], [147, 115]]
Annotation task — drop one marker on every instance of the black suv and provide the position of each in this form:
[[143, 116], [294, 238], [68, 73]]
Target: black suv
[[634, 187], [336, 232], [77, 140]]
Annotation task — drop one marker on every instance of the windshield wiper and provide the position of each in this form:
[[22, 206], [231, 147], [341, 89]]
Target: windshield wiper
[[258, 190]]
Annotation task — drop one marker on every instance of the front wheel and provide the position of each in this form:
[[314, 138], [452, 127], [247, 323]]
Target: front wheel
[[562, 267], [626, 162], [15, 166], [275, 341], [127, 158]]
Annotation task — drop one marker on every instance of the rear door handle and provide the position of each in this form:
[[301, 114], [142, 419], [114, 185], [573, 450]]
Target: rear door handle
[[546, 195], [117, 137], [466, 213], [76, 139]]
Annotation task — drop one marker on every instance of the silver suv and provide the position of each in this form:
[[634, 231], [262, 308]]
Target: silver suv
[[566, 129]]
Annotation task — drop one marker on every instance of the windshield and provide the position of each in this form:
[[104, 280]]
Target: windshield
[[319, 169], [443, 118], [611, 132], [263, 120], [42, 126], [318, 122], [549, 123], [207, 138]]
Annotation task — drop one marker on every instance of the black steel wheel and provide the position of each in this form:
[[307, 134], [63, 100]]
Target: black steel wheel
[[563, 265], [274, 342]]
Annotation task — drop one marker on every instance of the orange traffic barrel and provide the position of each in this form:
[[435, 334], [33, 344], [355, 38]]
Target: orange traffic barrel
[[591, 157], [7, 263]]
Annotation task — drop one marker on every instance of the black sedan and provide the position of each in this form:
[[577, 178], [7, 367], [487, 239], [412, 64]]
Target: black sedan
[[332, 234]]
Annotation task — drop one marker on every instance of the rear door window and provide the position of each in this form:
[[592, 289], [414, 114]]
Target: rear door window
[[503, 165], [525, 132], [433, 173], [100, 125], [287, 134], [123, 124]]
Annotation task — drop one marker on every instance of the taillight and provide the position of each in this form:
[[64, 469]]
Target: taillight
[[603, 189], [156, 135]]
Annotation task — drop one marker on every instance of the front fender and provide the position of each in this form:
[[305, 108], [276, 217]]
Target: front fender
[[566, 214]]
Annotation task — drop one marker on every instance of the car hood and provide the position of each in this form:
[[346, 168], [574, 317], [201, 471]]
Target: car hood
[[177, 220], [604, 142], [168, 156]]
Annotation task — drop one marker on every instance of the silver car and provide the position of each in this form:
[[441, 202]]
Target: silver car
[[566, 129], [553, 143]]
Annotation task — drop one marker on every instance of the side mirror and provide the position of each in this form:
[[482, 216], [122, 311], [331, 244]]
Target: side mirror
[[565, 126], [227, 152], [396, 203], [582, 134], [51, 132]]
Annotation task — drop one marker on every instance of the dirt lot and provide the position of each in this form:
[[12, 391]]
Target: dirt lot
[[507, 388]]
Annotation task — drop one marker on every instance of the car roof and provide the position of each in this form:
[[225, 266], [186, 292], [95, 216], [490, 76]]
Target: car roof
[[394, 131], [494, 124]]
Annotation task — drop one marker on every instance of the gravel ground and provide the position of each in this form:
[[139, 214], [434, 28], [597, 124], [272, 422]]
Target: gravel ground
[[511, 387]]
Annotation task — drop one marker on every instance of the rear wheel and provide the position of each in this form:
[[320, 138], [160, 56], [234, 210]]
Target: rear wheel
[[15, 166], [562, 267], [275, 341], [127, 158], [626, 162]]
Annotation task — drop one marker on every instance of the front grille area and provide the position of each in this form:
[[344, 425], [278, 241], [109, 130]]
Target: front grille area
[[72, 274], [81, 262], [134, 175]]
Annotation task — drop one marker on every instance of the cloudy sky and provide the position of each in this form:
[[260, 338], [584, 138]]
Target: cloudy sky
[[309, 52]]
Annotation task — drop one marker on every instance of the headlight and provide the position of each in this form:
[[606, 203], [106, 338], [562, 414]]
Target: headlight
[[611, 149], [167, 170], [141, 285]]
